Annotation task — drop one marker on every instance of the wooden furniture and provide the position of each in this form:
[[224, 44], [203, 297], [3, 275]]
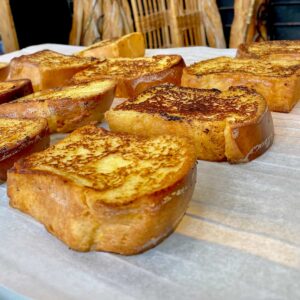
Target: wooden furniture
[[7, 28]]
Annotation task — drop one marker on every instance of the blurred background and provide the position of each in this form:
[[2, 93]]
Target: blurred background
[[164, 23]]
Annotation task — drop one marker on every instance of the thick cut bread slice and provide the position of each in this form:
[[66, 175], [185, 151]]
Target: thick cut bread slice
[[19, 138], [64, 108], [4, 68], [14, 89], [97, 190], [235, 125], [130, 45], [289, 50], [277, 81], [136, 74], [47, 69]]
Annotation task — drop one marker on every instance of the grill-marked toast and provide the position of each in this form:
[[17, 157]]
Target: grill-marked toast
[[14, 89], [270, 50], [235, 125], [98, 190], [4, 68], [19, 138], [134, 75], [47, 69], [65, 108], [130, 45], [277, 81]]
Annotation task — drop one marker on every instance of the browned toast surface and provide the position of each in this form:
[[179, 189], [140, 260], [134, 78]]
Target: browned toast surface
[[175, 103], [134, 75], [4, 68], [129, 68], [283, 49], [19, 138], [235, 124], [224, 64], [120, 166]]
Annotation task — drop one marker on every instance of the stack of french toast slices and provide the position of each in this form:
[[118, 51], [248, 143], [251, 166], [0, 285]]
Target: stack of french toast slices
[[126, 189]]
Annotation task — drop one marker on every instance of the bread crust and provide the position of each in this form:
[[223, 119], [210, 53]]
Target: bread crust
[[4, 70], [77, 215], [215, 140], [131, 45], [45, 69], [280, 92], [14, 89], [9, 155], [63, 114], [132, 86]]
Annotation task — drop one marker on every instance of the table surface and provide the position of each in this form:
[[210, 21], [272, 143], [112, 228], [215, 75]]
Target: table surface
[[240, 237]]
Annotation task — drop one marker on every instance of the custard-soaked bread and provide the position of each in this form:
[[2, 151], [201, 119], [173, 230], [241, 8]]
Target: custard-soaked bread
[[235, 125], [271, 50], [134, 75], [19, 138], [65, 108], [277, 81], [4, 68], [14, 89], [47, 69], [130, 45], [97, 190]]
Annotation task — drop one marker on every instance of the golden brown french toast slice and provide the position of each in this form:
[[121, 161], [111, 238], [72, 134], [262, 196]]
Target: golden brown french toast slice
[[19, 138], [64, 108], [134, 75], [277, 81], [13, 89], [289, 50], [130, 45], [4, 68], [235, 124], [47, 69], [104, 191]]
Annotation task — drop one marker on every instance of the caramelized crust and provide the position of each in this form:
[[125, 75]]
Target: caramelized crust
[[47, 69], [288, 50], [97, 190], [14, 89], [277, 81], [212, 119], [135, 75], [64, 108], [19, 138], [4, 69], [131, 45]]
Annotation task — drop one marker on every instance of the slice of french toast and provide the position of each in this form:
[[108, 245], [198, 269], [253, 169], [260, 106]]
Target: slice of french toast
[[4, 68], [19, 138], [65, 108], [134, 75], [47, 69], [234, 125], [289, 50], [277, 81], [130, 45], [13, 89], [98, 190]]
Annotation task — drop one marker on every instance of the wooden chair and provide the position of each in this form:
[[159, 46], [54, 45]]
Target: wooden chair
[[7, 28], [178, 23]]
